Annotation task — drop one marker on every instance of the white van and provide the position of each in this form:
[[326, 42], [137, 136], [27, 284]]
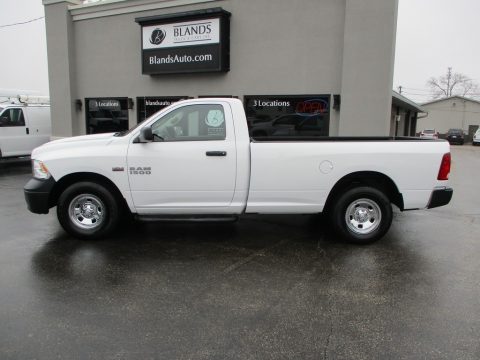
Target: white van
[[24, 125]]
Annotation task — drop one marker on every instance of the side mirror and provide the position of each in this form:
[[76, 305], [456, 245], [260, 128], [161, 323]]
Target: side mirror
[[146, 134], [3, 121]]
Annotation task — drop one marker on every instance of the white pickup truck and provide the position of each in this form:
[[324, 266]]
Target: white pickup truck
[[195, 160]]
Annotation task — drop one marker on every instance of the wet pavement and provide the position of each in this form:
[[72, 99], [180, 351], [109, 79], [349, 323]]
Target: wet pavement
[[267, 287]]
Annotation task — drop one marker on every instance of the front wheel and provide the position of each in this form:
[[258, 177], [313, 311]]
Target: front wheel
[[87, 210], [362, 215]]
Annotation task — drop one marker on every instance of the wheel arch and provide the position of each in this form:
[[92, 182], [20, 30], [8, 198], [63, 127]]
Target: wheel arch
[[373, 179], [73, 178]]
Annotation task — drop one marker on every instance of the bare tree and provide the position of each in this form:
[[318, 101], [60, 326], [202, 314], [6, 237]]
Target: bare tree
[[452, 83]]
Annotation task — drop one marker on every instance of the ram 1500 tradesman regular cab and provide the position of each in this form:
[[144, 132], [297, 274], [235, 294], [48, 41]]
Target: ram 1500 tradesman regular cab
[[196, 160]]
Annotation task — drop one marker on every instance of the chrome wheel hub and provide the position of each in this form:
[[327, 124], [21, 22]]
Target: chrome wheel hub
[[363, 216], [86, 211]]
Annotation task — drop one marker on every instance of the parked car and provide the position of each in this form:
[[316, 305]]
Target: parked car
[[455, 136], [476, 138], [429, 134], [195, 160], [23, 127]]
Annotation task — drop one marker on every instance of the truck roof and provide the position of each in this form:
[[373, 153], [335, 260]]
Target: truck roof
[[5, 105]]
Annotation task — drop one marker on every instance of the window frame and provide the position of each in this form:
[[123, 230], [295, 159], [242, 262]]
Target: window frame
[[119, 98], [256, 113], [196, 138], [9, 115]]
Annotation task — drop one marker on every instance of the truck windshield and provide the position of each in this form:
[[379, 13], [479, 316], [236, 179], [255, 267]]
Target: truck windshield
[[126, 132]]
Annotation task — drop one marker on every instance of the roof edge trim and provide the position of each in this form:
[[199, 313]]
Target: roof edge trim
[[450, 98], [148, 20], [51, 2], [406, 101], [115, 7]]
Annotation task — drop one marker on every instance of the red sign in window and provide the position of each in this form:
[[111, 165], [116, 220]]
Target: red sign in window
[[311, 107]]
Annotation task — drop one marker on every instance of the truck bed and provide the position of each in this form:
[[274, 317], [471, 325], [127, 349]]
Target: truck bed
[[298, 173]]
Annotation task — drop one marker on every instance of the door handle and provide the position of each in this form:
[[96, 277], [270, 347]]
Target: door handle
[[27, 131], [216, 153]]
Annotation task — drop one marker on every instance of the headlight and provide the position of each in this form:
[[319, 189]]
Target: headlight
[[39, 170]]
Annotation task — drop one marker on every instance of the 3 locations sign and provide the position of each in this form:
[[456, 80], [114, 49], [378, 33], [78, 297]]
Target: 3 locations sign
[[197, 41], [103, 104]]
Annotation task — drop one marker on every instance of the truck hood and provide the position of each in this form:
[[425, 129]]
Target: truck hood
[[82, 138], [73, 142]]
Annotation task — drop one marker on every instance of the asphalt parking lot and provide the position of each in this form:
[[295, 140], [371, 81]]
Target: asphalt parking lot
[[268, 287]]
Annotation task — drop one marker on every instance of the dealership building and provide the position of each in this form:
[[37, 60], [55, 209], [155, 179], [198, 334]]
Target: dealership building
[[327, 64]]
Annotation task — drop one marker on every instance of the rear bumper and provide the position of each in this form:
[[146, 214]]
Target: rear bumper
[[37, 195], [440, 197]]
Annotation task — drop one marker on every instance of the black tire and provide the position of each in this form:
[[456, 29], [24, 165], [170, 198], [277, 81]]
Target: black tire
[[88, 210], [369, 215]]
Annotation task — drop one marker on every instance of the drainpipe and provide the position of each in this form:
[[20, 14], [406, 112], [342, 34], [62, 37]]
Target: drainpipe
[[397, 120], [423, 116]]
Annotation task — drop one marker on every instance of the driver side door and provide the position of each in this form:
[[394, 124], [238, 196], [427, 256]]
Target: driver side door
[[14, 137], [190, 167]]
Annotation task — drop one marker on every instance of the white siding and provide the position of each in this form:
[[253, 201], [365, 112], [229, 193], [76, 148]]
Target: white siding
[[450, 113]]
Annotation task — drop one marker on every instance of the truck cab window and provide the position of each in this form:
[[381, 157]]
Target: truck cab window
[[12, 117], [191, 123]]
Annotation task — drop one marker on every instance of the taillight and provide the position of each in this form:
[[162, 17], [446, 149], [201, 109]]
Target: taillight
[[445, 167]]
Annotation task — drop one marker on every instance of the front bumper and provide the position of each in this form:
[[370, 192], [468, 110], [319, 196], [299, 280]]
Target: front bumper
[[37, 195], [440, 197]]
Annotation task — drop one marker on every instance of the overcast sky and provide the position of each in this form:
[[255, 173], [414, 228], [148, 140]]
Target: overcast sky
[[23, 48], [431, 36]]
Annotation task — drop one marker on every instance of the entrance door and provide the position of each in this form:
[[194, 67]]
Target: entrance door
[[190, 168]]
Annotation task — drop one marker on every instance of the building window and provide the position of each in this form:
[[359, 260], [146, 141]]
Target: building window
[[106, 115], [149, 105], [288, 116], [191, 123], [12, 117]]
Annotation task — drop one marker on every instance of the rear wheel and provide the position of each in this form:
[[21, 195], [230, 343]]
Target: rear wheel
[[362, 215], [87, 210]]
